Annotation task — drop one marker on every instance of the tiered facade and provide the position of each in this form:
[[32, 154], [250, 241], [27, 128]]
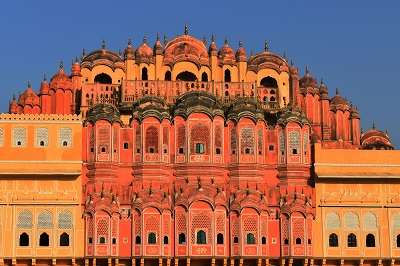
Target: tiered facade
[[182, 154]]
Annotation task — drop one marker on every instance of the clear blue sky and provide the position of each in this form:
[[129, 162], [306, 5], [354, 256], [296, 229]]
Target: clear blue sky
[[353, 45]]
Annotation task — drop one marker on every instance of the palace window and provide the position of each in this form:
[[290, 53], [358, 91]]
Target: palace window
[[286, 241], [264, 240], [138, 240], [19, 136], [103, 79], [201, 237], [90, 240], [42, 137], [65, 137], [217, 150], [114, 241], [65, 220], [182, 238], [64, 240], [227, 75], [398, 241], [166, 240], [24, 240], [247, 141], [235, 240], [351, 220], [332, 220], [269, 82], [25, 219], [204, 77], [294, 142], [351, 240], [220, 239], [251, 239], [44, 240], [298, 241], [200, 148], [152, 139], [45, 220], [167, 75], [370, 240], [126, 145], [102, 240], [1, 137], [144, 74], [151, 239]]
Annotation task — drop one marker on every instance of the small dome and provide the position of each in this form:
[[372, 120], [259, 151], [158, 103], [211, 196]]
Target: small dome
[[226, 52], [323, 89], [61, 79], [241, 53], [28, 97], [76, 68], [213, 50], [374, 139], [60, 75], [44, 86], [308, 80], [158, 48], [338, 99], [129, 52], [144, 51]]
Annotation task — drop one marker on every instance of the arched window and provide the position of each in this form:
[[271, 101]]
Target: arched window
[[286, 241], [24, 219], [351, 240], [182, 238], [103, 79], [370, 240], [269, 82], [64, 240], [44, 240], [138, 240], [24, 240], [200, 148], [398, 241], [251, 239], [220, 238], [102, 240], [165, 240], [235, 240], [204, 77], [333, 240], [201, 237], [186, 76], [152, 139], [264, 240], [144, 74], [151, 239], [168, 75], [227, 75], [45, 220], [298, 241]]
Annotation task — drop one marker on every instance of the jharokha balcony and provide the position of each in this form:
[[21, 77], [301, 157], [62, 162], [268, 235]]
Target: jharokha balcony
[[131, 90]]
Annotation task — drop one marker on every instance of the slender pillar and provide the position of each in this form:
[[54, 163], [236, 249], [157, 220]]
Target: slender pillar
[[73, 262], [54, 262], [168, 261], [311, 262], [213, 262], [232, 262], [259, 262], [141, 261], [33, 262], [133, 261], [160, 261], [1, 262], [290, 262], [86, 262], [116, 262], [176, 261], [14, 261], [361, 262], [241, 262], [188, 262], [94, 262], [225, 261], [283, 262], [266, 262]]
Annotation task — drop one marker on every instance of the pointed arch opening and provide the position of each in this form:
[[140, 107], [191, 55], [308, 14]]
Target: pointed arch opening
[[250, 238], [201, 237], [269, 82], [145, 75], [168, 76], [24, 240], [204, 77], [352, 240], [186, 76], [370, 241], [220, 239], [44, 240], [64, 240], [227, 75], [103, 78]]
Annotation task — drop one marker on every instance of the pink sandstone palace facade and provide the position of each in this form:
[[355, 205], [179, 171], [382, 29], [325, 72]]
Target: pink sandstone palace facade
[[188, 154]]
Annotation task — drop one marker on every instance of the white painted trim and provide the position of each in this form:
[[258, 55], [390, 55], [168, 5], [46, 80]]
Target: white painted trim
[[356, 165]]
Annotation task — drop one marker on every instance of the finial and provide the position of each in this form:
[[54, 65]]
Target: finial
[[144, 39], [44, 77], [158, 37], [165, 39], [226, 41], [29, 84], [266, 46], [240, 44], [373, 124], [186, 32], [251, 53], [76, 59], [129, 41], [61, 64], [212, 37], [307, 71], [322, 81], [337, 91], [103, 44], [14, 97], [83, 52]]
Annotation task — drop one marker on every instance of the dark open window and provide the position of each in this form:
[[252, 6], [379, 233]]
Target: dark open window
[[200, 148], [298, 241], [201, 237], [204, 77], [114, 241], [286, 241], [251, 239], [138, 240], [263, 240], [103, 79], [370, 240], [220, 239], [152, 239], [102, 240], [186, 76], [165, 240], [64, 240], [90, 240], [144, 74], [269, 82], [235, 240], [227, 75], [44, 240], [182, 238], [352, 240], [126, 145], [24, 240], [333, 240], [168, 75], [398, 241]]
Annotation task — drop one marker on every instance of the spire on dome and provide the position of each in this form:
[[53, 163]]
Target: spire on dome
[[226, 41], [29, 84], [44, 77], [145, 39], [373, 124], [158, 37], [212, 38], [83, 52], [266, 46], [129, 41], [186, 31], [240, 44], [165, 39], [103, 44], [337, 91], [61, 64]]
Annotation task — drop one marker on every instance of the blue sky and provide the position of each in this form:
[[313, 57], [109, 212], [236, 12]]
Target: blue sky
[[353, 45]]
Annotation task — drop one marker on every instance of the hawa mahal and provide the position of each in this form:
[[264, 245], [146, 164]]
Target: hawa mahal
[[184, 153]]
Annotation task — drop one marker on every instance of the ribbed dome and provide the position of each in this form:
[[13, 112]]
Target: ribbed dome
[[28, 97], [308, 80], [213, 50], [144, 50], [158, 48], [338, 99], [226, 51], [129, 52], [241, 53]]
